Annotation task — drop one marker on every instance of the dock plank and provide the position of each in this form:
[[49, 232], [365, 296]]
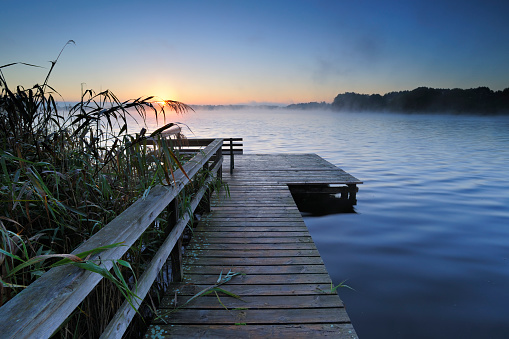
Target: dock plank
[[256, 290], [263, 316], [281, 269], [229, 246], [271, 261], [254, 331], [253, 279], [252, 302], [245, 253], [257, 230]]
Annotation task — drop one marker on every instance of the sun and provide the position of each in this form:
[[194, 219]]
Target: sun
[[160, 102]]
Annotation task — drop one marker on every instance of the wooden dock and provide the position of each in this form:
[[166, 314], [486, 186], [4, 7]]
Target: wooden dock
[[284, 289]]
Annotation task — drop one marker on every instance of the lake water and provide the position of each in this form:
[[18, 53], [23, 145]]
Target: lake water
[[428, 250]]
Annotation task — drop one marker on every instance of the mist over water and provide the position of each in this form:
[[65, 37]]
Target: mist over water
[[428, 250]]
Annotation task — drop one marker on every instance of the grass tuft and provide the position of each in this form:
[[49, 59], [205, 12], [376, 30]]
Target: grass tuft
[[67, 172]]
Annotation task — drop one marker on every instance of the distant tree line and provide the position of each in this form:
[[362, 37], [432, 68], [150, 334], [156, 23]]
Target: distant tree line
[[232, 107], [310, 105], [423, 99]]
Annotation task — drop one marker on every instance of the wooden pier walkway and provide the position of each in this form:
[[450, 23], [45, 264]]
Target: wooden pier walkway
[[285, 289]]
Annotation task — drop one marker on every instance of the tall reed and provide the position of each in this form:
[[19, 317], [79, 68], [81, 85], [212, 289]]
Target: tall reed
[[65, 173]]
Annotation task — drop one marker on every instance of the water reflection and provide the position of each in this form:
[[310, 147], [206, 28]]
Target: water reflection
[[316, 201], [427, 251]]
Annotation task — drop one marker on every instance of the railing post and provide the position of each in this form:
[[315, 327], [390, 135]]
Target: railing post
[[205, 202], [219, 155], [176, 253], [232, 161]]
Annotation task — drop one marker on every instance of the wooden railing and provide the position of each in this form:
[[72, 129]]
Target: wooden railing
[[42, 307], [231, 147]]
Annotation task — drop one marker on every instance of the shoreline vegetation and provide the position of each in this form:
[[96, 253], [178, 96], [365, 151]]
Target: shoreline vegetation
[[481, 100], [67, 172]]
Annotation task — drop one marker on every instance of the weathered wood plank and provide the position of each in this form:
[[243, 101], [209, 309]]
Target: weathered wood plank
[[253, 199], [253, 279], [263, 229], [247, 209], [254, 203], [227, 234], [243, 253], [256, 290], [253, 237], [249, 219], [253, 331], [332, 173], [257, 191], [256, 316], [274, 261], [280, 222], [204, 239], [249, 196], [251, 246], [209, 224], [250, 302], [267, 216], [281, 269], [250, 212], [295, 180]]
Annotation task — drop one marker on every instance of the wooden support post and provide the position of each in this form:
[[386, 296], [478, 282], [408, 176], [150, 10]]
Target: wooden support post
[[344, 193], [219, 155], [352, 188], [205, 201], [173, 215], [177, 271], [176, 253], [232, 161]]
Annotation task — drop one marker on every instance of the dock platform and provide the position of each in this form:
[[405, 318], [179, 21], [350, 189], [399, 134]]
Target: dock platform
[[284, 290]]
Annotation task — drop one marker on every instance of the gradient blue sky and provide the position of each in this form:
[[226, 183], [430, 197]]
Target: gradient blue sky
[[220, 52]]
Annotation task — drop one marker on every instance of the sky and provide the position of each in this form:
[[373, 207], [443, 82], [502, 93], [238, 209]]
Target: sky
[[245, 52]]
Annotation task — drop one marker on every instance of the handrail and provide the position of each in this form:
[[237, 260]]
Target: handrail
[[228, 144], [126, 312], [231, 147], [38, 310]]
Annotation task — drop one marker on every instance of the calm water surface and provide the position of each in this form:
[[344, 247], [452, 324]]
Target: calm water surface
[[428, 250]]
